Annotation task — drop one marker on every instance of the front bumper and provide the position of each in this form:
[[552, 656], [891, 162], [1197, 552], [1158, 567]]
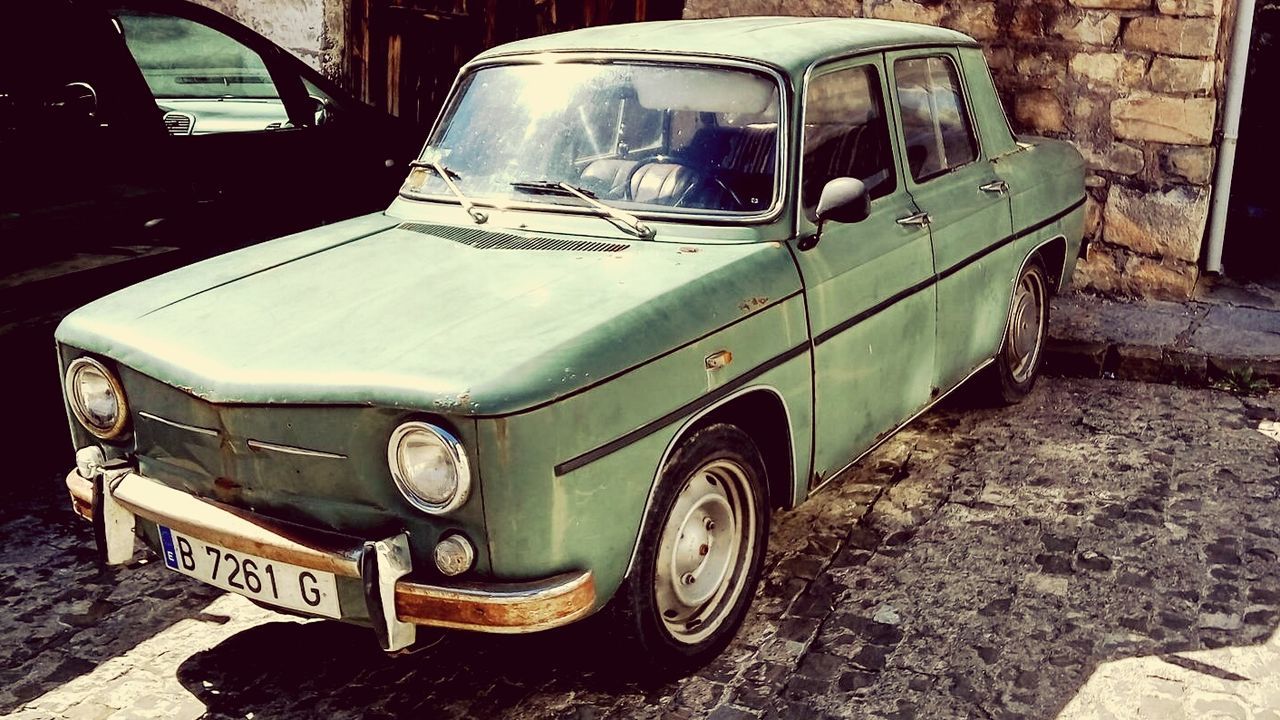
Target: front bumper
[[114, 499]]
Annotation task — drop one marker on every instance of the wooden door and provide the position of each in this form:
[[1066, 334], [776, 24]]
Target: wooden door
[[403, 55]]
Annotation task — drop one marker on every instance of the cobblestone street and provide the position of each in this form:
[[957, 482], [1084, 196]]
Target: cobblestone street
[[1105, 549]]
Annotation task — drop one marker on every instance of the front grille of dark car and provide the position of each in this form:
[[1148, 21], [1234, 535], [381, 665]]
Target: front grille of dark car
[[178, 123], [487, 240]]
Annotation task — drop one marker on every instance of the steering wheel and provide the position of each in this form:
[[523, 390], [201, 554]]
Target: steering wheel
[[737, 201]]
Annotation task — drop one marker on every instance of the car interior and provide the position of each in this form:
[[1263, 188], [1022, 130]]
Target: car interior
[[708, 164]]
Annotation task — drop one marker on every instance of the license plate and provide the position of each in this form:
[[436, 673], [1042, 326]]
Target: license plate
[[270, 581]]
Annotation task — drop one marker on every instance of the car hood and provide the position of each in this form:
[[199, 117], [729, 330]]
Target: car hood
[[373, 311]]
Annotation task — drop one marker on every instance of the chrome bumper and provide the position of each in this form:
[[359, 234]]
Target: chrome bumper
[[114, 499]]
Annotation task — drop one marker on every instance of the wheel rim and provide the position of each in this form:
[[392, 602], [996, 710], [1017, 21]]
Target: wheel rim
[[1026, 327], [705, 550]]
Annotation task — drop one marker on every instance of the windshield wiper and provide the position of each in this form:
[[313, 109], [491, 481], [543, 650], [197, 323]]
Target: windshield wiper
[[632, 222], [448, 176]]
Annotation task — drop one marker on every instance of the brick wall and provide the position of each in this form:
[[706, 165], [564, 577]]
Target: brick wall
[[1135, 84]]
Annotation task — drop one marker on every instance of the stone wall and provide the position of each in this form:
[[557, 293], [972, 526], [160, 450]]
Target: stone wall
[[1135, 84], [311, 29]]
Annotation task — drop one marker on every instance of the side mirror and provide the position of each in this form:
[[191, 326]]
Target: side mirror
[[844, 200], [320, 110]]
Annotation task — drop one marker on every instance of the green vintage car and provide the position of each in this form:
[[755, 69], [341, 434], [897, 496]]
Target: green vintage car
[[645, 286]]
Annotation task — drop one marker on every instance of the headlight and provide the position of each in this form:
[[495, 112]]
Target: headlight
[[96, 398], [429, 466]]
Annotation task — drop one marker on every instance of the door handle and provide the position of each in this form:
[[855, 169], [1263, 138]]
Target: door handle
[[999, 186], [917, 220]]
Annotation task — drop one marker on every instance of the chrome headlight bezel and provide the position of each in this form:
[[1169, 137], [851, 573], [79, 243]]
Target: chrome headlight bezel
[[75, 402], [454, 451]]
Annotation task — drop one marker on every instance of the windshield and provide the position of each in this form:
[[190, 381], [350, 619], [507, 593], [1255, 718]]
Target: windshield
[[639, 136]]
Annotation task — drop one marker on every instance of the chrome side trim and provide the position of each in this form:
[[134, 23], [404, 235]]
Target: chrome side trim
[[291, 450], [907, 422], [671, 446], [180, 426]]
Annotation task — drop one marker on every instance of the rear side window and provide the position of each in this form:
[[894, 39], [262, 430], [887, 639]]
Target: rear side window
[[935, 122], [845, 135]]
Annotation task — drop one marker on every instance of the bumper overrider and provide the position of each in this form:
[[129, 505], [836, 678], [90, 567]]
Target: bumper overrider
[[114, 499]]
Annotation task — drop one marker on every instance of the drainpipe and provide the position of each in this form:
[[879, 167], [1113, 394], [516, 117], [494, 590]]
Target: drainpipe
[[1241, 39]]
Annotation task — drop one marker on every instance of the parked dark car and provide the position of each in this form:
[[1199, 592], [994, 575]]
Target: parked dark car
[[139, 135], [163, 122]]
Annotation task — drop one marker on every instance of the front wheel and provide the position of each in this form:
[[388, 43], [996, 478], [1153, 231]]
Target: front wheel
[[701, 552], [1017, 365]]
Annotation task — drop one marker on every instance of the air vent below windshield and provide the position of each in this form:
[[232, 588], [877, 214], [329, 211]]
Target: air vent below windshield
[[487, 240]]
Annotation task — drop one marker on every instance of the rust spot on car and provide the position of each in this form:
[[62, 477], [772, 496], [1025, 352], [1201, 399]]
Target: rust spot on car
[[501, 436], [686, 250], [81, 492], [461, 401], [556, 601], [226, 489], [753, 303]]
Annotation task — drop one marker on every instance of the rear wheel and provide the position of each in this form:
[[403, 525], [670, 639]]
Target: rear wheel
[[701, 552], [1021, 355]]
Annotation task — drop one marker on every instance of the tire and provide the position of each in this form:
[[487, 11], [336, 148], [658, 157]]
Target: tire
[[702, 548], [1021, 354]]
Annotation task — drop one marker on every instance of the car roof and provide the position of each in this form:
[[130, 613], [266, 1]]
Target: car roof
[[790, 44]]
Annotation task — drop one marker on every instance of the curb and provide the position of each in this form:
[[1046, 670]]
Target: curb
[[1193, 343]]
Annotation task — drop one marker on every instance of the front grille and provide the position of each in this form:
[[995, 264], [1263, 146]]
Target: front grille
[[487, 240], [178, 123]]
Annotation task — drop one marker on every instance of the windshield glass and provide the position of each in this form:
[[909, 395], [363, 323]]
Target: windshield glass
[[639, 136]]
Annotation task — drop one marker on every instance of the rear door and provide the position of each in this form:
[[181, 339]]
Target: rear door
[[966, 206], [869, 285]]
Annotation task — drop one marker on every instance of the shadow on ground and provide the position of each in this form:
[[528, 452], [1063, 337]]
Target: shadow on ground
[[982, 564]]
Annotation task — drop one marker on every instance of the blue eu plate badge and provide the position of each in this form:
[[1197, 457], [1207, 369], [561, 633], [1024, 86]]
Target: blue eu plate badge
[[166, 541]]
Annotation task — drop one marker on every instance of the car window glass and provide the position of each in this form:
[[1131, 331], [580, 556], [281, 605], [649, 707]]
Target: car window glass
[[204, 80], [846, 135], [935, 123]]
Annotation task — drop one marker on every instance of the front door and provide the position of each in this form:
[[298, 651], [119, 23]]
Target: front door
[[260, 147], [967, 205], [869, 284]]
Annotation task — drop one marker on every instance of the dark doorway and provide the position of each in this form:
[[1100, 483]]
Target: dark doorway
[[1251, 249], [403, 54]]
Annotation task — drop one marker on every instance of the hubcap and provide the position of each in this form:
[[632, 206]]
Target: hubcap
[[1026, 326], [705, 548]]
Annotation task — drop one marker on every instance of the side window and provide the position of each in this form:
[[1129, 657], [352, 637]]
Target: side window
[[845, 135], [935, 122], [204, 80]]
